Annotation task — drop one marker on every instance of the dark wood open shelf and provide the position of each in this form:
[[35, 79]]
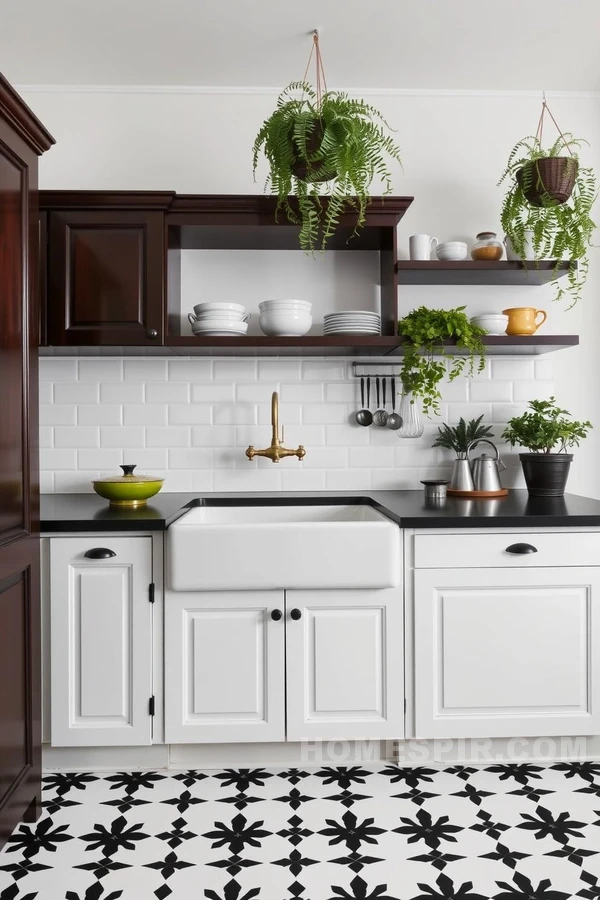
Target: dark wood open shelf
[[473, 272], [355, 345]]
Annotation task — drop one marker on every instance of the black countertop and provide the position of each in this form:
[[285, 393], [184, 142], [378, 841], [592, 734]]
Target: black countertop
[[88, 512]]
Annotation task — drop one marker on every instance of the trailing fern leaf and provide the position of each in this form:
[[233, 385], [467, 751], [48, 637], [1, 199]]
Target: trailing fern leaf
[[341, 145]]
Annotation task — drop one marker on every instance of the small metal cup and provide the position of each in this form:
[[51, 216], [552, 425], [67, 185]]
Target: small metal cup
[[435, 491]]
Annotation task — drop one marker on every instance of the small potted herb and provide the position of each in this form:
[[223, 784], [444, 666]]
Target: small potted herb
[[458, 437], [548, 433], [430, 338]]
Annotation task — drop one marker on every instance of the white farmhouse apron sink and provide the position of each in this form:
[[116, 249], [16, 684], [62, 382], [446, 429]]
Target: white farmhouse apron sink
[[272, 547]]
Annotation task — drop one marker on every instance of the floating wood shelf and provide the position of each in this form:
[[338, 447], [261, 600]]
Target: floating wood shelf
[[473, 272], [522, 345]]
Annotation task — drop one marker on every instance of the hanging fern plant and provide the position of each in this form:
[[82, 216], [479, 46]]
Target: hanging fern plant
[[323, 144], [551, 196]]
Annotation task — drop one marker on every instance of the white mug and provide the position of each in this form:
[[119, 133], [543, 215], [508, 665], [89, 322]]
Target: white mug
[[421, 246]]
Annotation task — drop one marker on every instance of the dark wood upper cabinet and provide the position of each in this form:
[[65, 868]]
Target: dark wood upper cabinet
[[105, 268], [22, 140]]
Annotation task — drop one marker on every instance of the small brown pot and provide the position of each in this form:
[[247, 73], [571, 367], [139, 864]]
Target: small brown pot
[[300, 168], [552, 180], [546, 474]]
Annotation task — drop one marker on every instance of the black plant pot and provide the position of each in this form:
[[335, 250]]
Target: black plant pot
[[546, 473]]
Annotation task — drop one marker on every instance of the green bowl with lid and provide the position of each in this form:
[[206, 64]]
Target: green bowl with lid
[[128, 490]]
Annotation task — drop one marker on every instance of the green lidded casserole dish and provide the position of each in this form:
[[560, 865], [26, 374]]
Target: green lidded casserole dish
[[128, 489]]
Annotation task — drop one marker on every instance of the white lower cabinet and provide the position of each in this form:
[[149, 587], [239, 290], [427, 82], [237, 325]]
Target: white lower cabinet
[[101, 641], [503, 652], [345, 665], [229, 658], [224, 666]]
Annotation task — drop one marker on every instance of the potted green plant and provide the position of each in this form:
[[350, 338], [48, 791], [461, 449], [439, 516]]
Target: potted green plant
[[548, 432], [548, 205], [318, 144], [430, 335], [458, 437]]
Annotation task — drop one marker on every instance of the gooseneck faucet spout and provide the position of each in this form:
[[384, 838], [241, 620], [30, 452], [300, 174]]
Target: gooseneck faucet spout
[[276, 451]]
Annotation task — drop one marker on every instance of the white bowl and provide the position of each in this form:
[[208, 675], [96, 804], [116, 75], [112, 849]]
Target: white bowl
[[452, 250], [218, 306], [300, 305], [217, 326], [285, 324], [494, 323], [221, 314]]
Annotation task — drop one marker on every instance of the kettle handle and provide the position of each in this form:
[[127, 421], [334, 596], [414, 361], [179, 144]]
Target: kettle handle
[[483, 441]]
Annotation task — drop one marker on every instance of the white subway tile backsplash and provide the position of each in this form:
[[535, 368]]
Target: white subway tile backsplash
[[145, 414], [213, 393], [121, 436], [491, 391], [145, 370], [78, 436], [58, 414], [101, 370], [191, 459], [512, 369], [122, 392], [524, 391], [301, 392], [58, 459], [76, 392], [171, 392], [46, 482], [100, 459], [168, 436], [277, 370], [190, 421], [98, 414], [234, 370], [371, 457], [189, 414]]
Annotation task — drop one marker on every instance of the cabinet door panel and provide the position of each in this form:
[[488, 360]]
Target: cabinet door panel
[[106, 272], [507, 653], [224, 667], [345, 668], [101, 644]]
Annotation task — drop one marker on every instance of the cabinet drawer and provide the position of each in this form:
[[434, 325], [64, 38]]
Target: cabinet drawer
[[454, 551]]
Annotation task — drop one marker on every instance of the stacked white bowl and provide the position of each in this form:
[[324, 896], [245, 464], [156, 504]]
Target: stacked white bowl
[[218, 318], [285, 318]]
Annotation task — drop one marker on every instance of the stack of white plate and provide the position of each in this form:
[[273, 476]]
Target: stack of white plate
[[219, 318], [352, 322]]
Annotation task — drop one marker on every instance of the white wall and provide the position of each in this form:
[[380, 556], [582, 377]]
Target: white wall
[[454, 148]]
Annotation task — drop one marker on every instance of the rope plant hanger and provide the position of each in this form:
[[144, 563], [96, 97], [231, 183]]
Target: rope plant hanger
[[546, 212], [323, 145]]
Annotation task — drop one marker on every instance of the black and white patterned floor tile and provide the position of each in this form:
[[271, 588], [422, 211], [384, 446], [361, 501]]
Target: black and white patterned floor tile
[[349, 833]]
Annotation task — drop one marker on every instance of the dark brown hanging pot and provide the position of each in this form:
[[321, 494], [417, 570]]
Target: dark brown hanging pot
[[550, 181], [314, 173]]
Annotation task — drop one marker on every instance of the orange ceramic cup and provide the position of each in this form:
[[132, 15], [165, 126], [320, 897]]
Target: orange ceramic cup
[[524, 319]]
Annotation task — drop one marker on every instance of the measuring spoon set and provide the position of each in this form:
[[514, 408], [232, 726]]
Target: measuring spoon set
[[381, 418]]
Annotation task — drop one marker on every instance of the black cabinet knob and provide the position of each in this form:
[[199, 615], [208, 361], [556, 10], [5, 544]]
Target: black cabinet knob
[[521, 548], [296, 614], [152, 333], [276, 614], [99, 553]]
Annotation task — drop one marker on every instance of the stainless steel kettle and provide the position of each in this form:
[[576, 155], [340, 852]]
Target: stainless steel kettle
[[485, 469]]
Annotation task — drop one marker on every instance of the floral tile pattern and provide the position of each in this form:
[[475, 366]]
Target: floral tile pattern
[[501, 832]]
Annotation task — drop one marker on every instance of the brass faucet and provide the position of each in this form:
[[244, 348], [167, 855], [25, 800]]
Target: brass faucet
[[275, 452]]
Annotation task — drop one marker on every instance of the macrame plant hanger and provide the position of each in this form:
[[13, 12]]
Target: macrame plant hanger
[[540, 128], [320, 81]]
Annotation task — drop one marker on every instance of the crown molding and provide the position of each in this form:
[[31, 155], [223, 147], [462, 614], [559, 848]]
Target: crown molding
[[182, 89]]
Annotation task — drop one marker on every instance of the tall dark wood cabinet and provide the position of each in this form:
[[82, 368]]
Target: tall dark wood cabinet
[[106, 259], [22, 140]]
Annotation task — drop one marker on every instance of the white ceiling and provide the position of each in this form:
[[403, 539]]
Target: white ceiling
[[393, 44]]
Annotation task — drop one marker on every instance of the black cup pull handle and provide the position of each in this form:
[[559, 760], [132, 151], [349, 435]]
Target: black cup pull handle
[[296, 614], [521, 548], [276, 615], [99, 553]]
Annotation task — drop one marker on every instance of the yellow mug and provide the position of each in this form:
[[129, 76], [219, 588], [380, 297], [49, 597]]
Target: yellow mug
[[523, 319]]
